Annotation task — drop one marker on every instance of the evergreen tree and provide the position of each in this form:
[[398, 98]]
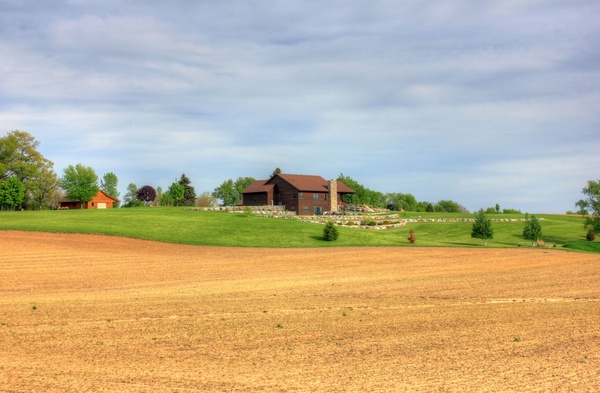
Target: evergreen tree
[[189, 194], [330, 232]]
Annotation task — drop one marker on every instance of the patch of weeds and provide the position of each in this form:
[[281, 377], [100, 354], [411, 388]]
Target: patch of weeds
[[517, 340], [279, 326], [34, 308], [154, 338], [344, 314]]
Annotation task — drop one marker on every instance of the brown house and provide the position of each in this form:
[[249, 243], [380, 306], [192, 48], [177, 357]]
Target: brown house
[[101, 201], [303, 194]]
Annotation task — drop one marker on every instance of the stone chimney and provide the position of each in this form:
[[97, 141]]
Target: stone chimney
[[333, 197]]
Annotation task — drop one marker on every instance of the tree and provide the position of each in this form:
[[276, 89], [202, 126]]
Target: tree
[[109, 184], [43, 185], [411, 236], [497, 208], [159, 196], [189, 194], [532, 230], [482, 227], [590, 206], [230, 191], [449, 207], [130, 198], [399, 201], [206, 200], [277, 171], [146, 194], [20, 158], [330, 232], [362, 195], [174, 194], [12, 193], [80, 182]]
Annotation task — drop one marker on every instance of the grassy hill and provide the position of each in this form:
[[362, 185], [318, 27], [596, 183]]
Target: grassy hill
[[179, 225]]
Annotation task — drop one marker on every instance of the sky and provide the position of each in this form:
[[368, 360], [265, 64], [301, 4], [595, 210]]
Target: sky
[[479, 102]]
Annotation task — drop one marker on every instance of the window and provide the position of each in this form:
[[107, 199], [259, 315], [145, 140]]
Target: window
[[255, 198], [301, 195], [324, 197], [316, 196], [294, 195], [305, 208], [277, 196]]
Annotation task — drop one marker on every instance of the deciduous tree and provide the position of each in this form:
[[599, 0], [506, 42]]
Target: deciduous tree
[[109, 184], [12, 193], [80, 182], [590, 205], [146, 194], [482, 227], [532, 230]]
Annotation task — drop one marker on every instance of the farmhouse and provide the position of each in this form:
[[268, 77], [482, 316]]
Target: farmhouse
[[100, 201], [303, 194]]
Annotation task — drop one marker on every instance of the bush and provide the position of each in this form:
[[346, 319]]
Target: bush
[[411, 236], [591, 236], [330, 232], [368, 222]]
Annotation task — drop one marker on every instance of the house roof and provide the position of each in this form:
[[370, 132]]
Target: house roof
[[300, 182], [258, 186]]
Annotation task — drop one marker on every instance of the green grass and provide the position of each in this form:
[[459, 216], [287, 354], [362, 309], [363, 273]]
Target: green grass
[[178, 225]]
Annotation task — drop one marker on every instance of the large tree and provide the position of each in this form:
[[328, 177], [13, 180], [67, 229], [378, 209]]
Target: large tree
[[482, 227], [131, 195], [80, 182], [189, 194], [109, 184], [590, 206], [20, 158], [146, 194], [230, 191], [43, 185], [12, 193]]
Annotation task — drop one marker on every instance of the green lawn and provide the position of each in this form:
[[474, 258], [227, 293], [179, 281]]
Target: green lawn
[[179, 225]]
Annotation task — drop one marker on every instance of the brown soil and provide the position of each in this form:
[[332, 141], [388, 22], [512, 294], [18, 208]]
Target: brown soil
[[94, 313]]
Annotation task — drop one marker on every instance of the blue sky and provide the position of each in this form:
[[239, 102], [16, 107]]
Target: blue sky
[[480, 102]]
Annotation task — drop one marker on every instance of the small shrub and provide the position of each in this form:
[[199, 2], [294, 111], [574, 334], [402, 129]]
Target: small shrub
[[368, 222], [411, 236], [591, 236], [386, 222], [330, 232], [350, 223]]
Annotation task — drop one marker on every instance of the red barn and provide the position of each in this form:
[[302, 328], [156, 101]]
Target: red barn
[[303, 194], [101, 201]]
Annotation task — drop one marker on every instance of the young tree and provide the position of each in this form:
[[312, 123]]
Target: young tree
[[482, 227], [109, 184], [532, 230], [146, 194], [80, 182], [189, 194], [330, 232], [590, 206], [12, 193], [159, 196], [277, 171]]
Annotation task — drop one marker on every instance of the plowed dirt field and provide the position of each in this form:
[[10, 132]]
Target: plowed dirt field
[[84, 313]]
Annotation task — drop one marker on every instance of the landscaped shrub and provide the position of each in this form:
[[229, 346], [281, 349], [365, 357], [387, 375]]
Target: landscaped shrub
[[330, 232], [591, 236], [368, 222], [411, 236], [350, 223], [386, 222]]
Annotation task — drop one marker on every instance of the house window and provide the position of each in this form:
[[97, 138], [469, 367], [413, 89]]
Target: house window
[[277, 196], [301, 195], [294, 195], [255, 198], [316, 197], [305, 208], [324, 197]]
